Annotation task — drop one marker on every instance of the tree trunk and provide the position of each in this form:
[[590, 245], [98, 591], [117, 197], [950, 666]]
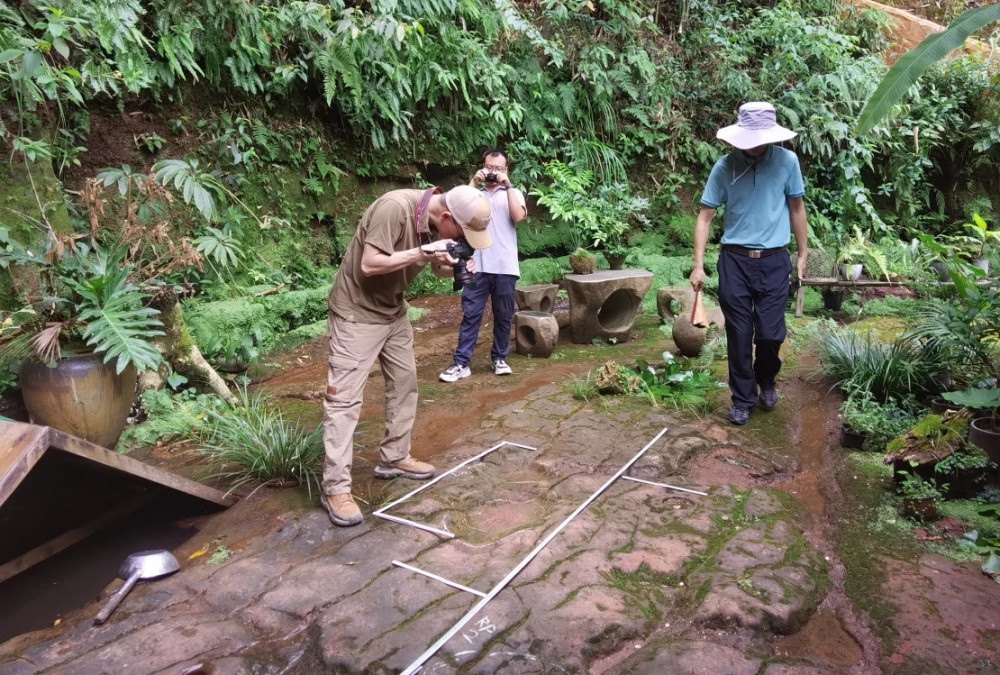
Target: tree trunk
[[180, 351]]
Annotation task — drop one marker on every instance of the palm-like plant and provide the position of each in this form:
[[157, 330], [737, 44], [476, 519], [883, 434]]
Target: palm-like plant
[[84, 296]]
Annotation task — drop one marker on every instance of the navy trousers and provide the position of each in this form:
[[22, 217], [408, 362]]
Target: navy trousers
[[499, 288], [753, 294]]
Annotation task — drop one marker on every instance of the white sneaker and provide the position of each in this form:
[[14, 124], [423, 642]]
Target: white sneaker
[[500, 367], [455, 373]]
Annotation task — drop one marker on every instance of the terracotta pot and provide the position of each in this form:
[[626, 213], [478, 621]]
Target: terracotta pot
[[849, 438], [921, 509], [81, 395], [689, 338], [583, 265], [984, 432]]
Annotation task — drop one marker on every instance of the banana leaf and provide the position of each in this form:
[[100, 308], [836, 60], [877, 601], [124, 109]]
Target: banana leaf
[[910, 66]]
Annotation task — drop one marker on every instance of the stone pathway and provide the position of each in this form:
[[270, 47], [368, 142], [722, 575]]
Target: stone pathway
[[624, 588], [645, 580]]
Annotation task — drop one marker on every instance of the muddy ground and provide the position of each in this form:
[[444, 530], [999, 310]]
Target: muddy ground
[[776, 570]]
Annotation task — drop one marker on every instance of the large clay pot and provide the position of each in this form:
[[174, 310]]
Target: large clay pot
[[81, 395], [688, 337], [985, 433]]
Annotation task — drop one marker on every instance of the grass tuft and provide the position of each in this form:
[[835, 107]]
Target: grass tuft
[[251, 441]]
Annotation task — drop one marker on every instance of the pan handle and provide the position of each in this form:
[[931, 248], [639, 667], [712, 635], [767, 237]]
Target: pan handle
[[116, 599]]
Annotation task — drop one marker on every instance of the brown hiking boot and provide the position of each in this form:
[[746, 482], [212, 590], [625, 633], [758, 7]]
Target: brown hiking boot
[[341, 509], [407, 468]]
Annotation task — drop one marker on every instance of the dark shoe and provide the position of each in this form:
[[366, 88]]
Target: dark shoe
[[768, 399], [341, 509], [739, 416], [407, 468]]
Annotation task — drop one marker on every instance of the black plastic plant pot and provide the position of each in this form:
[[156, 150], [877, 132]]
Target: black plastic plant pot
[[939, 405], [833, 299], [965, 483], [849, 438]]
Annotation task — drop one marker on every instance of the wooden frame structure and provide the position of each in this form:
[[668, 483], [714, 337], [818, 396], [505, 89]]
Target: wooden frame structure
[[23, 445]]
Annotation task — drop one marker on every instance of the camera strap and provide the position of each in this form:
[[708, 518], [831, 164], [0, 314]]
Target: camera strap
[[425, 199]]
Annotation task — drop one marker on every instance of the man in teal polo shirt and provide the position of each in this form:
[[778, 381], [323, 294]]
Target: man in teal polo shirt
[[762, 189]]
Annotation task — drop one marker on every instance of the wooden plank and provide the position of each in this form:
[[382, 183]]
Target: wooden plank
[[860, 283], [21, 445], [800, 301], [67, 539], [109, 458]]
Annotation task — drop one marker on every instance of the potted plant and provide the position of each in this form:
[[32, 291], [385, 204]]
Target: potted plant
[[80, 338], [871, 424], [966, 470], [965, 333], [857, 251], [860, 414], [984, 430], [601, 215], [582, 261], [919, 495], [981, 237]]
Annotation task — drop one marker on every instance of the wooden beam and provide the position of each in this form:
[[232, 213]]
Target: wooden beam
[[114, 460], [21, 446]]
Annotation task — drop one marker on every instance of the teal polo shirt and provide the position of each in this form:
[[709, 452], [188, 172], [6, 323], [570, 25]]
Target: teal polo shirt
[[756, 194]]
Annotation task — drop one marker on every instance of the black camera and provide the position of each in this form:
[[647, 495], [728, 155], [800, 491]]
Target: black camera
[[491, 178], [462, 251]]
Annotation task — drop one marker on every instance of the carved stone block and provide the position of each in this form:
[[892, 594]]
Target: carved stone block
[[535, 334]]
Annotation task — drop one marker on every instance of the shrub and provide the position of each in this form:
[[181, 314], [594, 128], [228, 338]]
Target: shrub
[[865, 364], [541, 271]]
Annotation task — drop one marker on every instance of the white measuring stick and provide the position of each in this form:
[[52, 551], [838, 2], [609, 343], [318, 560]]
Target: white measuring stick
[[416, 665], [664, 485], [404, 521], [446, 473], [441, 579]]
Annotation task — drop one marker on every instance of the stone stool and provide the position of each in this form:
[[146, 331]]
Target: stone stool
[[604, 304], [535, 334], [666, 296], [537, 298]]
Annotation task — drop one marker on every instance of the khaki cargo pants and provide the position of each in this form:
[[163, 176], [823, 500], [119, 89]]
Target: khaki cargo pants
[[353, 349]]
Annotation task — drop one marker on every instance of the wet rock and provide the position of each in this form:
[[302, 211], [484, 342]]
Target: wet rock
[[689, 658], [802, 669], [170, 641], [761, 504], [755, 587]]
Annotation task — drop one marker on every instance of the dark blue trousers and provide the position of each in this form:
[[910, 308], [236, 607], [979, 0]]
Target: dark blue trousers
[[753, 294], [499, 288]]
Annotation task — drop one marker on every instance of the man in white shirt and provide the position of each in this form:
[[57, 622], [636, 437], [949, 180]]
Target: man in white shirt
[[498, 271]]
